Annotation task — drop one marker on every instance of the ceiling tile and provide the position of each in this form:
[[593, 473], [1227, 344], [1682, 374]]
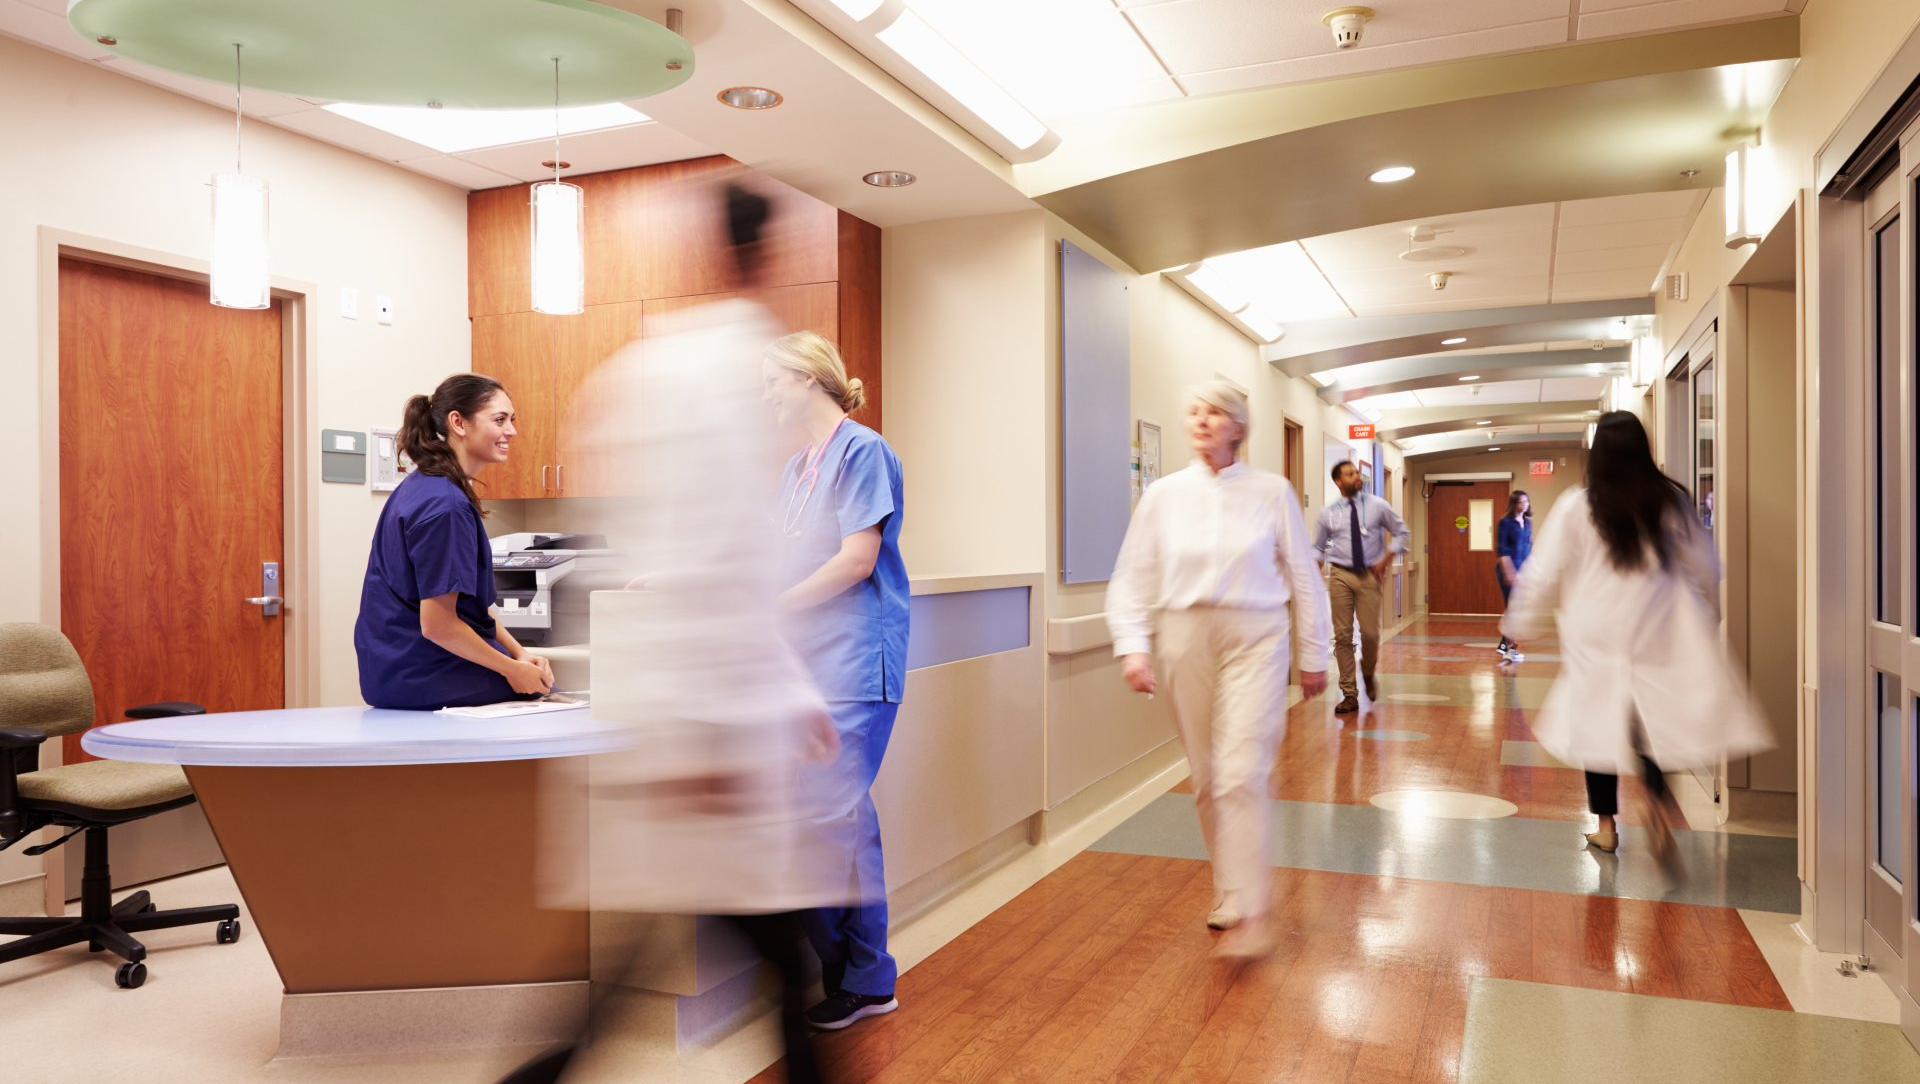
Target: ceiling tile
[[258, 103], [1566, 389], [1628, 283], [590, 152], [1497, 393], [1634, 208], [1333, 65], [1656, 231], [1612, 18], [444, 167], [1647, 257], [1108, 67]]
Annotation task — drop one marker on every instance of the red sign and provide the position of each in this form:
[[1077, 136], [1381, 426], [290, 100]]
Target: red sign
[[1359, 432], [1540, 467]]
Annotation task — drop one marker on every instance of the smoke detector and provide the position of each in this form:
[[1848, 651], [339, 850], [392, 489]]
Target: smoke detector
[[1438, 279], [1347, 25]]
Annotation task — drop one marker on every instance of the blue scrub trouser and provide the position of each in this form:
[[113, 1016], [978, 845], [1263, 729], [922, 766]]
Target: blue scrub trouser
[[856, 936]]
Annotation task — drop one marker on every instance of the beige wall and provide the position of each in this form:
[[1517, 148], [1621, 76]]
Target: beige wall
[[1569, 467], [104, 156], [963, 371], [1772, 634]]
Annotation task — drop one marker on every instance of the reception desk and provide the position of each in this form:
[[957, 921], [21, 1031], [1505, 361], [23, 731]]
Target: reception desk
[[389, 851]]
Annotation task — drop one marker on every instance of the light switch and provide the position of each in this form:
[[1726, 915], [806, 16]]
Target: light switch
[[385, 306]]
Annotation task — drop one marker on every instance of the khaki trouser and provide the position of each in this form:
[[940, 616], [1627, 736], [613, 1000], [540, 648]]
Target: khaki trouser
[[1352, 594], [1226, 679]]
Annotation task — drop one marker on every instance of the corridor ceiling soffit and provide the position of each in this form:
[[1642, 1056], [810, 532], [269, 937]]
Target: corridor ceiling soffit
[[1100, 143], [1402, 424], [1493, 370], [1459, 443], [1324, 345], [1582, 141]]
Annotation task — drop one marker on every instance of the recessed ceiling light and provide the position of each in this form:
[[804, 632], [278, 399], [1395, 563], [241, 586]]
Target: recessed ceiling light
[[1495, 448], [750, 97], [1471, 376], [1390, 174], [1484, 421], [889, 178], [453, 131], [1455, 341]]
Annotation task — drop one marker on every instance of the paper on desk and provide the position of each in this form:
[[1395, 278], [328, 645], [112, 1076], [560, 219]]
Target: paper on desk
[[551, 702]]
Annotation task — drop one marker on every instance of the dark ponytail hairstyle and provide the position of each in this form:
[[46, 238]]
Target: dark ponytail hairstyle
[[423, 432], [1627, 496]]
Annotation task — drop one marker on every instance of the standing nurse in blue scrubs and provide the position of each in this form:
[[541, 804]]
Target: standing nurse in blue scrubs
[[426, 637], [840, 507]]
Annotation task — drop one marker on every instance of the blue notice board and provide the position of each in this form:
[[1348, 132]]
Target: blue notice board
[[1096, 412]]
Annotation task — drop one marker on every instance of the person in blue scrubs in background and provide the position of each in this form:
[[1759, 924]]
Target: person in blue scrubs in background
[[426, 636], [840, 508]]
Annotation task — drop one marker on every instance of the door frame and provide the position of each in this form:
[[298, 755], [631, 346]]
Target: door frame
[[299, 471]]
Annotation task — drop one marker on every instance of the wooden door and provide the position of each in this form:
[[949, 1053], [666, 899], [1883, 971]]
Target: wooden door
[[518, 350], [171, 469], [1462, 528]]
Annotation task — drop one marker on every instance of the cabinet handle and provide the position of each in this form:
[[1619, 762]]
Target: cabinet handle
[[543, 477], [560, 478]]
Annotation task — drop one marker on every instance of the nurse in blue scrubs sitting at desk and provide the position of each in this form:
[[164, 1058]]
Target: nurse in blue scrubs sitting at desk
[[426, 636]]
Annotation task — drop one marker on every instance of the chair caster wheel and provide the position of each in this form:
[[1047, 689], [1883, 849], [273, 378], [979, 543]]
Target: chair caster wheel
[[227, 932], [130, 975]]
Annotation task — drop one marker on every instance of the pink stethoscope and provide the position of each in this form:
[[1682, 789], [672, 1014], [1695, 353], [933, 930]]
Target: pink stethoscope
[[809, 477]]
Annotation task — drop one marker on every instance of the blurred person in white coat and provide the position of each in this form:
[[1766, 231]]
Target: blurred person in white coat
[[1220, 551], [1631, 579], [709, 812]]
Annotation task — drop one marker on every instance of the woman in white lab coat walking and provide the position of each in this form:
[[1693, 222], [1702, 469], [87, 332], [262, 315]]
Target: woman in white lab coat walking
[[1634, 585], [1220, 551]]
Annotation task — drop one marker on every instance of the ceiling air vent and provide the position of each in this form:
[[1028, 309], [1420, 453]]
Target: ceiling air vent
[[1677, 287]]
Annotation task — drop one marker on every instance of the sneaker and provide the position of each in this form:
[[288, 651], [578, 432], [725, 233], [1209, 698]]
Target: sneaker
[[1514, 655], [846, 1007]]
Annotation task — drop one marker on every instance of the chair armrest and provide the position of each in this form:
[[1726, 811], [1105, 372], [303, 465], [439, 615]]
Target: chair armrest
[[20, 737], [165, 709]]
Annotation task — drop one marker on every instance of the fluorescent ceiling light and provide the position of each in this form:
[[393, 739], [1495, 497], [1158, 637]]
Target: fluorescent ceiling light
[[1372, 415], [1455, 341], [1470, 376], [857, 9], [1495, 448], [1221, 288], [1257, 322], [1484, 421], [451, 131], [1390, 174], [1326, 379], [1107, 65], [920, 46], [1283, 281]]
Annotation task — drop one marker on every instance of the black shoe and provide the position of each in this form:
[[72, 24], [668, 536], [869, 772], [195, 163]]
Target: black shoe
[[1347, 706], [847, 1007]]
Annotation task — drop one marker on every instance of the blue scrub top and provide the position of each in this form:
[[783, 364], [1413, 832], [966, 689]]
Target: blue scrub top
[[856, 643], [430, 541]]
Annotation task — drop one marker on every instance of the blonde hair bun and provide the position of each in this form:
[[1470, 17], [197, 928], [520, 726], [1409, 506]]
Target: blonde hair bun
[[856, 396], [812, 356]]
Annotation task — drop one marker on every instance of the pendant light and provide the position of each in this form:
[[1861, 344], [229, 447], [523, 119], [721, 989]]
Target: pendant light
[[240, 278], [559, 246]]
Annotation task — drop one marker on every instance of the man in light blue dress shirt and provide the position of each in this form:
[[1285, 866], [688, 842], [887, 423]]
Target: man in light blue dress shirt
[[1356, 538]]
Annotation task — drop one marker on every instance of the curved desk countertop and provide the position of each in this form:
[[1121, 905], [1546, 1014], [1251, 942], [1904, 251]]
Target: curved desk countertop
[[337, 737], [396, 856]]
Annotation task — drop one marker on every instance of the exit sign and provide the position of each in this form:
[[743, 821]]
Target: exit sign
[[1540, 467], [1359, 432]]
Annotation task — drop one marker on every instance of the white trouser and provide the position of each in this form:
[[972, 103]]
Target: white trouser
[[1226, 678]]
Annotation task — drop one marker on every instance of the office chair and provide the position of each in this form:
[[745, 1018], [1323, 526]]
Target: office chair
[[44, 692]]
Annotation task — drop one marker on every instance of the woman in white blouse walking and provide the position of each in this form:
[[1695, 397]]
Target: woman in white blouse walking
[[1220, 551]]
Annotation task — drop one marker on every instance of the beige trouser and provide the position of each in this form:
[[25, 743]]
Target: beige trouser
[[1226, 677], [1351, 595]]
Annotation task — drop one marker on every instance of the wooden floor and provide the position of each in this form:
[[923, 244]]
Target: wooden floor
[[1102, 972]]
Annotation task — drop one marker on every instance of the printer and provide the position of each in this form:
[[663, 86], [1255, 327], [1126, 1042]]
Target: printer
[[542, 583]]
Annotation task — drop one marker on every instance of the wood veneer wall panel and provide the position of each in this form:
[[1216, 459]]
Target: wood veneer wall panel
[[499, 251], [517, 349], [589, 342], [170, 492], [859, 285]]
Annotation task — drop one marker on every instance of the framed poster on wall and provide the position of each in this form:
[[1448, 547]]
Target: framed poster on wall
[[1149, 454]]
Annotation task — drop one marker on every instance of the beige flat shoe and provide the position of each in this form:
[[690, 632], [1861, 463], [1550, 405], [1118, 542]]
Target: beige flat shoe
[[1604, 841], [1222, 920]]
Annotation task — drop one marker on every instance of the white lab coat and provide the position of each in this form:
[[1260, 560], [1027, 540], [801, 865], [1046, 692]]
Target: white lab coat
[[1645, 641], [708, 812]]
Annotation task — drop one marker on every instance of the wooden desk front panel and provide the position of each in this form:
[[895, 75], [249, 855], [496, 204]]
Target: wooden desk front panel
[[394, 877]]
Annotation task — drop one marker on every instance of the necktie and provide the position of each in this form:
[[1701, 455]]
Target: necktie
[[1353, 523]]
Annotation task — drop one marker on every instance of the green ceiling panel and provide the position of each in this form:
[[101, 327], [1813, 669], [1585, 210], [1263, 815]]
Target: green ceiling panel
[[463, 54]]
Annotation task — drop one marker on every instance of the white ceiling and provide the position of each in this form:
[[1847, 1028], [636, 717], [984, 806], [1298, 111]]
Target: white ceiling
[[1547, 253], [1496, 393]]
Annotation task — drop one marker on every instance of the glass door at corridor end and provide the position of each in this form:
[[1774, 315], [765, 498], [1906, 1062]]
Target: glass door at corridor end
[[1891, 670]]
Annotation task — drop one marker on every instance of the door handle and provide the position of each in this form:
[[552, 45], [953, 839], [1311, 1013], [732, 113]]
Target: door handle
[[543, 478], [269, 599], [559, 478]]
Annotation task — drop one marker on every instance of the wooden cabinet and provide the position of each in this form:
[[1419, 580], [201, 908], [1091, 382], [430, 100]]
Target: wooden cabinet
[[655, 244]]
